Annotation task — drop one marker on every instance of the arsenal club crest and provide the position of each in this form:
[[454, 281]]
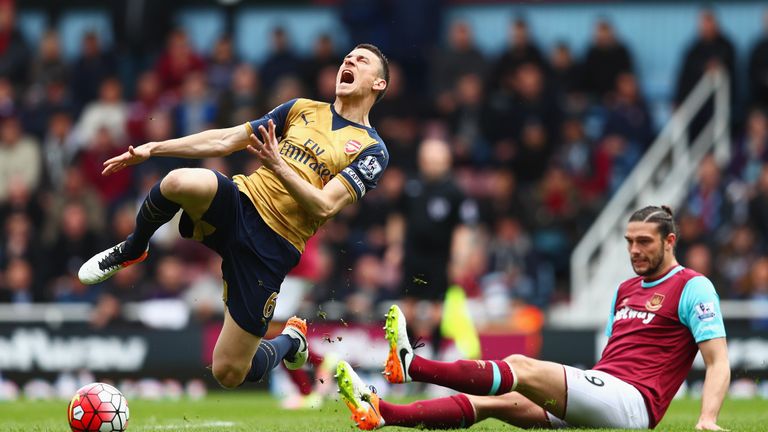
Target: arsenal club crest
[[352, 147], [655, 302]]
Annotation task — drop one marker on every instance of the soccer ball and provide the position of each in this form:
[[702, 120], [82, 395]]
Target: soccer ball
[[98, 407]]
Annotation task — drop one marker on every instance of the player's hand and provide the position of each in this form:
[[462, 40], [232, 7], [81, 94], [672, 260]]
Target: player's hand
[[709, 425], [133, 156], [266, 148]]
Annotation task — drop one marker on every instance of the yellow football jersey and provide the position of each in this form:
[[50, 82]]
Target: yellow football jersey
[[318, 144]]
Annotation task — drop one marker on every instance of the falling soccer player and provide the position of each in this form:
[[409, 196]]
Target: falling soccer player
[[316, 159]]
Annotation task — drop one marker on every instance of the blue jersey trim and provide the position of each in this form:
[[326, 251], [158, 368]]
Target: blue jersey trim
[[496, 379], [699, 310], [279, 115], [609, 325], [338, 122], [671, 273]]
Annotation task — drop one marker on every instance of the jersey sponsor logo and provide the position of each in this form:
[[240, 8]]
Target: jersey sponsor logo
[[306, 121], [307, 155], [655, 302], [705, 311], [629, 313], [355, 178], [369, 167], [352, 147]]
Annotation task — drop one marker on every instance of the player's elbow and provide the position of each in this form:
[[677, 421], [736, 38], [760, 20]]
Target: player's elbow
[[324, 212]]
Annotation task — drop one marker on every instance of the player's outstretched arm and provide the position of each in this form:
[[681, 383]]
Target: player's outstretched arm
[[321, 203], [209, 143], [716, 381]]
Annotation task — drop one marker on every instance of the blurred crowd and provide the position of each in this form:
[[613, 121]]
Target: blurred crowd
[[539, 140]]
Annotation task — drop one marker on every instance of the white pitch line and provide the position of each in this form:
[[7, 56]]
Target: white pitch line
[[217, 424]]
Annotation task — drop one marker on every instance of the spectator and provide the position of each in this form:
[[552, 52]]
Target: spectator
[[125, 287], [397, 118], [177, 61], [690, 232], [8, 102], [750, 151], [323, 56], [67, 288], [533, 153], [221, 65], [758, 68], [196, 110], [707, 200], [59, 149], [520, 50], [19, 240], [75, 243], [108, 113], [282, 62], [757, 291], [606, 58], [736, 259], [710, 50], [699, 258], [459, 58], [170, 280], [365, 291], [204, 294], [73, 189], [94, 65], [758, 209], [19, 157], [285, 89], [49, 65], [19, 283], [627, 114], [556, 207], [13, 49], [53, 98], [241, 102], [149, 99], [91, 162], [566, 74], [21, 199], [510, 251], [466, 122]]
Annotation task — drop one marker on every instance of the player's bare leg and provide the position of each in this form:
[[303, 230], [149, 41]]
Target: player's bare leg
[[512, 408], [541, 382], [233, 353], [191, 189], [241, 356]]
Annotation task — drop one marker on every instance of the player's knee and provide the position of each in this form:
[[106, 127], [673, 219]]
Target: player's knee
[[227, 375], [521, 364], [173, 184]]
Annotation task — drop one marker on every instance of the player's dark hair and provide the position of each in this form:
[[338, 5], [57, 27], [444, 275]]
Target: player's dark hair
[[384, 65], [660, 215]]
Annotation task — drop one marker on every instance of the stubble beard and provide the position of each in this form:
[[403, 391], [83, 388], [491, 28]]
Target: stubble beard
[[655, 263]]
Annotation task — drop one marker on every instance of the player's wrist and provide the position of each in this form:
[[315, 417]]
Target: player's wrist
[[151, 148]]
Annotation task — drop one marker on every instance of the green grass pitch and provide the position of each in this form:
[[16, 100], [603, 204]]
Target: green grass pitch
[[251, 411]]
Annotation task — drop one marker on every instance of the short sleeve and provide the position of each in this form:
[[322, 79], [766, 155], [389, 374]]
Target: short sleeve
[[609, 324], [279, 115], [699, 310], [363, 174]]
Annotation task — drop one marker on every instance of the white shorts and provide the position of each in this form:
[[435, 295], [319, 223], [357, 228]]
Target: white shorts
[[596, 399]]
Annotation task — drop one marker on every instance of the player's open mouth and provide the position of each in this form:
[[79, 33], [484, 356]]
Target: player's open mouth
[[347, 77]]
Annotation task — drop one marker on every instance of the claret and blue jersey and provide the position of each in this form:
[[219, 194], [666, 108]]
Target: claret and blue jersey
[[319, 145], [654, 329]]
